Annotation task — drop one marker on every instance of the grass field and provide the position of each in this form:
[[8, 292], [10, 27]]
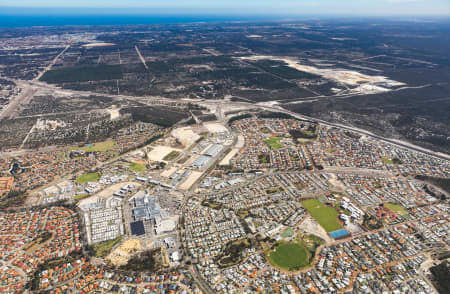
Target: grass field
[[289, 256], [273, 143], [326, 216], [387, 160], [81, 196], [396, 208], [96, 147], [89, 177], [103, 248], [137, 167]]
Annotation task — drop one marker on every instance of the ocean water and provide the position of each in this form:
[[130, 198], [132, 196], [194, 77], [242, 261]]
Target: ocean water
[[17, 20]]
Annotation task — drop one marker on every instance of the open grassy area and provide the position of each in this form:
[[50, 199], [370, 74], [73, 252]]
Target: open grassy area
[[137, 167], [89, 177], [103, 248], [172, 155], [391, 161], [387, 160], [273, 143], [274, 190], [289, 256], [326, 216], [396, 208], [96, 147], [81, 196]]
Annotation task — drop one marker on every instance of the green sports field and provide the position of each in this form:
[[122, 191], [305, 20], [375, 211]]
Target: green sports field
[[96, 147], [273, 143], [89, 177], [326, 216], [289, 256], [396, 208]]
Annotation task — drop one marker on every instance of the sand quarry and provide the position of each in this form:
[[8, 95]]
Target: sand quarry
[[348, 77]]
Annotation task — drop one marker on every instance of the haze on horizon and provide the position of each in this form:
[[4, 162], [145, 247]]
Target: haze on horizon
[[262, 7]]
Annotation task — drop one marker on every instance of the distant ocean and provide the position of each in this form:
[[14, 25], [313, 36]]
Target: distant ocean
[[14, 20]]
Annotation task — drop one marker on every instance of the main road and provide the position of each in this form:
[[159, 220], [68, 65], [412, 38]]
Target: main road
[[31, 87]]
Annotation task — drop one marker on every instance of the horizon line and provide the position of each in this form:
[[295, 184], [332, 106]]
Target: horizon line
[[188, 11]]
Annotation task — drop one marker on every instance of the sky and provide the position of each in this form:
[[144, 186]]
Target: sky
[[270, 7]]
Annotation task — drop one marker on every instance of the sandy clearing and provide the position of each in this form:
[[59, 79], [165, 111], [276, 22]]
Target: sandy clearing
[[240, 141], [310, 226], [114, 113], [229, 156], [91, 45], [215, 127], [191, 179], [169, 172], [159, 152], [348, 77], [185, 135], [335, 182], [122, 254]]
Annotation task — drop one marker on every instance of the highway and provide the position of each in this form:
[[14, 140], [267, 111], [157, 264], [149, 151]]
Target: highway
[[31, 87]]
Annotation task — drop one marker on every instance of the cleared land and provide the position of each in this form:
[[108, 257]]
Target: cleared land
[[229, 156], [191, 179], [124, 252], [89, 177], [326, 216], [185, 135], [289, 256], [273, 143], [215, 127], [160, 152]]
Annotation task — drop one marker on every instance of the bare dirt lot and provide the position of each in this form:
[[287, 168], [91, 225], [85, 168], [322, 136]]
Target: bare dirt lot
[[185, 135], [191, 179], [159, 152], [123, 253]]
